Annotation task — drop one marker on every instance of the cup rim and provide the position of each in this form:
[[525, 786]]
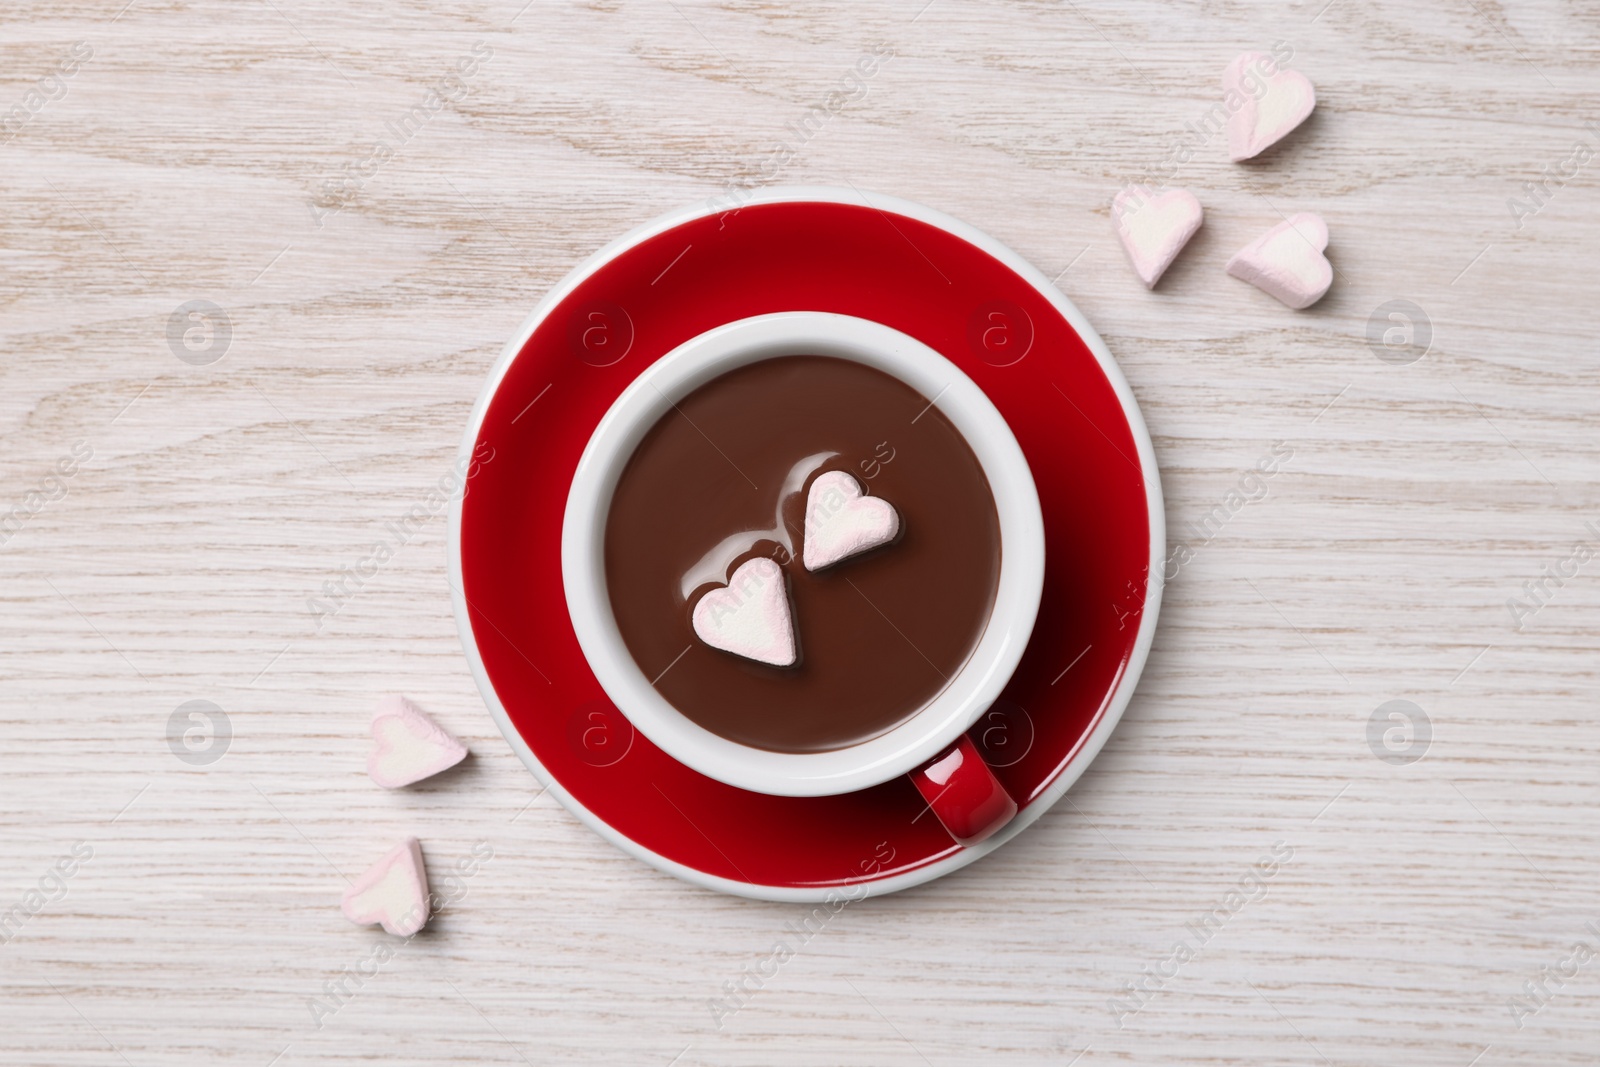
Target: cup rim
[[986, 670]]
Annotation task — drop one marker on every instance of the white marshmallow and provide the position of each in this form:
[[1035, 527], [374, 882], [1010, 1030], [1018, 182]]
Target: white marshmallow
[[1154, 227], [1271, 102], [1287, 261], [408, 746], [750, 615], [393, 892], [840, 522]]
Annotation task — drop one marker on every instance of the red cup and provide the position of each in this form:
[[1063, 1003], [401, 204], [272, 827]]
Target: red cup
[[929, 745]]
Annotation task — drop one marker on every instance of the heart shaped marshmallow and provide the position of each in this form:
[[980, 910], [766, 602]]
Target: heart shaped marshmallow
[[840, 522], [393, 892], [1287, 261], [408, 746], [1264, 103], [1154, 227], [750, 615]]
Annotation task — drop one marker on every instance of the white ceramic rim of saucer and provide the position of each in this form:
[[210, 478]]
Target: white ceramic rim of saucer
[[964, 697]]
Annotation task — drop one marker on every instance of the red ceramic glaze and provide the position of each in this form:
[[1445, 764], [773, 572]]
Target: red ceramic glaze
[[964, 793], [801, 256]]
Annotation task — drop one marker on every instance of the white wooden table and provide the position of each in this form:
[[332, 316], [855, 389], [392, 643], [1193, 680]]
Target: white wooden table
[[224, 152]]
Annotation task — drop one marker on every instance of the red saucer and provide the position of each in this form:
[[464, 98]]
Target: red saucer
[[931, 277]]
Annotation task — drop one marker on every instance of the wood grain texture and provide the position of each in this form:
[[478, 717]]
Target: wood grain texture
[[190, 158]]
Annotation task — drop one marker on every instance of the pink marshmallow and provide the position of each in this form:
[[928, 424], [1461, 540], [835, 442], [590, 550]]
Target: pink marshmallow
[[750, 616], [393, 892], [1154, 227], [1264, 102], [841, 522], [408, 746], [1287, 261]]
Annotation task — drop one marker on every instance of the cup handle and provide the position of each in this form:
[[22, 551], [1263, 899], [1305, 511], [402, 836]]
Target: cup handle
[[964, 793]]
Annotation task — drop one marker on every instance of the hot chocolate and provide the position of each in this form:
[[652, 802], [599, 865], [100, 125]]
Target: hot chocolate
[[723, 479]]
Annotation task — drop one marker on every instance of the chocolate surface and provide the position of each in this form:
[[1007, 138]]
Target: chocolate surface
[[723, 477]]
